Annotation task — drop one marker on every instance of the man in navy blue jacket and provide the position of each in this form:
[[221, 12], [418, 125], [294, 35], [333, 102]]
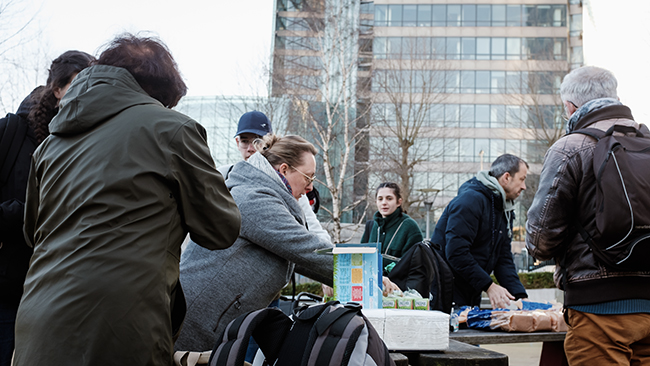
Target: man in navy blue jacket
[[475, 232]]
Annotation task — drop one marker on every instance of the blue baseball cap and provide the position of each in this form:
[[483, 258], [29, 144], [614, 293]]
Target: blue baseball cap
[[254, 122]]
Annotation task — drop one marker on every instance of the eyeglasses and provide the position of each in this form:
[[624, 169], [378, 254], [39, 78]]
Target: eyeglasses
[[565, 116], [310, 180], [246, 141]]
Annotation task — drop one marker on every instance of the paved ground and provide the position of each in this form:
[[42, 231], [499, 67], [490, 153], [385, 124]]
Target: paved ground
[[519, 354]]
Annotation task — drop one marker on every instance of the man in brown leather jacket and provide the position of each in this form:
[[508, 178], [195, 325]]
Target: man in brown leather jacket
[[608, 310]]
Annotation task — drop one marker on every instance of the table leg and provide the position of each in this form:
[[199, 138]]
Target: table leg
[[553, 354]]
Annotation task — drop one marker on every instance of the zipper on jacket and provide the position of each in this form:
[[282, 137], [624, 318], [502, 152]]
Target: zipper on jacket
[[234, 303]]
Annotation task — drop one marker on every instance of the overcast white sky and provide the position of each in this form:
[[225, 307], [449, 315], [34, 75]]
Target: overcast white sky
[[216, 43], [221, 45], [617, 37]]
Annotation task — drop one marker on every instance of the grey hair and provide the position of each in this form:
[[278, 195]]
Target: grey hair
[[506, 163], [588, 83]]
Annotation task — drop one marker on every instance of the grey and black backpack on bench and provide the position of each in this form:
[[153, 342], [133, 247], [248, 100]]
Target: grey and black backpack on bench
[[318, 335], [621, 167]]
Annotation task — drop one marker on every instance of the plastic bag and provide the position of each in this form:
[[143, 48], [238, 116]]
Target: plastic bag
[[544, 318]]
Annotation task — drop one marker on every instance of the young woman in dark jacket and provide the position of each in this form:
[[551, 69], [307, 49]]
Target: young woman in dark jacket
[[394, 229], [30, 124]]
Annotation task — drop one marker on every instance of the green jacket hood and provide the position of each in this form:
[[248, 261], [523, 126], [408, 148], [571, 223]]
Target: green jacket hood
[[93, 98]]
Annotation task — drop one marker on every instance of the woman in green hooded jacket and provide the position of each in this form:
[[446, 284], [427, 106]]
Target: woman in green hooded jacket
[[393, 228]]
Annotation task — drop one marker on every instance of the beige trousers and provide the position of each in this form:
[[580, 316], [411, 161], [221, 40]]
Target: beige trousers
[[594, 339]]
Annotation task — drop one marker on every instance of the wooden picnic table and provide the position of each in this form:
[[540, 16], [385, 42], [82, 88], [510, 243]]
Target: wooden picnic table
[[552, 348], [475, 336]]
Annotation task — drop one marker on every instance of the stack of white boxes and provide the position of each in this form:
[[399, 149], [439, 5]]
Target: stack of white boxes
[[411, 330]]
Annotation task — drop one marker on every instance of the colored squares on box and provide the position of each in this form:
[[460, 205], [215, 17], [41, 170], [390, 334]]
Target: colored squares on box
[[357, 293], [357, 259], [357, 275], [344, 259]]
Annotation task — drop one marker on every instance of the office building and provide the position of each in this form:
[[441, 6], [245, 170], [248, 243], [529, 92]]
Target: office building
[[454, 83]]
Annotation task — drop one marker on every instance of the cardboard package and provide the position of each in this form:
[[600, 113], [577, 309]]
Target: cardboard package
[[357, 274]]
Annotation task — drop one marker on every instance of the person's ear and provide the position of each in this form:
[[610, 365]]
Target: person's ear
[[57, 93], [505, 178], [284, 168], [399, 202]]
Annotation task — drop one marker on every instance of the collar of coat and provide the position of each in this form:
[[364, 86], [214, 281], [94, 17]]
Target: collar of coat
[[493, 185], [597, 110], [390, 220], [259, 161], [611, 112]]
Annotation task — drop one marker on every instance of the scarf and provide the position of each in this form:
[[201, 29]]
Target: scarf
[[493, 184], [590, 106]]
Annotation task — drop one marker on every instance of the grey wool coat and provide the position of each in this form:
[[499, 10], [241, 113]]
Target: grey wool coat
[[110, 198], [249, 275]]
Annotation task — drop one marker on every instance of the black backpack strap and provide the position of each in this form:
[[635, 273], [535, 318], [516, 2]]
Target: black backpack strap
[[11, 141], [268, 326], [335, 323], [625, 130], [295, 344]]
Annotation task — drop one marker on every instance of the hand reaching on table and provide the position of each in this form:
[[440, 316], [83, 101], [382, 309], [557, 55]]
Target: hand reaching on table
[[389, 286], [499, 296]]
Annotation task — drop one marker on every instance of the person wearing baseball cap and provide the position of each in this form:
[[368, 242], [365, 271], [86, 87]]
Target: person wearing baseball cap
[[251, 125]]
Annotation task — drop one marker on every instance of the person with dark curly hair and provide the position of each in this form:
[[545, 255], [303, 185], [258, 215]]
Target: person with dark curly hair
[[20, 134], [112, 194]]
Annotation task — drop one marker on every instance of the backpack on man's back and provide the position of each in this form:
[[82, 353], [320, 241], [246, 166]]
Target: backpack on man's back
[[621, 165], [324, 334]]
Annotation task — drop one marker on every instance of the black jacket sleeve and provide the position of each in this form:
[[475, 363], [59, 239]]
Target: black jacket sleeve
[[506, 272], [461, 231]]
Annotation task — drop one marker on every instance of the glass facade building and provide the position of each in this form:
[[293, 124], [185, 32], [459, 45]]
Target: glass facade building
[[220, 115], [487, 73]]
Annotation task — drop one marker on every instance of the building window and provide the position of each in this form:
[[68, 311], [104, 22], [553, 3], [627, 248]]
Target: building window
[[576, 25], [498, 15], [381, 15], [439, 15], [470, 48], [498, 48], [424, 15], [470, 15], [514, 15], [576, 56], [467, 81], [453, 16], [394, 15], [409, 16]]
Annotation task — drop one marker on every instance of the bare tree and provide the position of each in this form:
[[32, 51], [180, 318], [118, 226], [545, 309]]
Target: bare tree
[[318, 71], [409, 91], [22, 59], [537, 93]]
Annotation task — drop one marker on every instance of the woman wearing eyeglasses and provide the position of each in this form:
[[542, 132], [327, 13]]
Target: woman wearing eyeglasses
[[221, 285], [392, 227]]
